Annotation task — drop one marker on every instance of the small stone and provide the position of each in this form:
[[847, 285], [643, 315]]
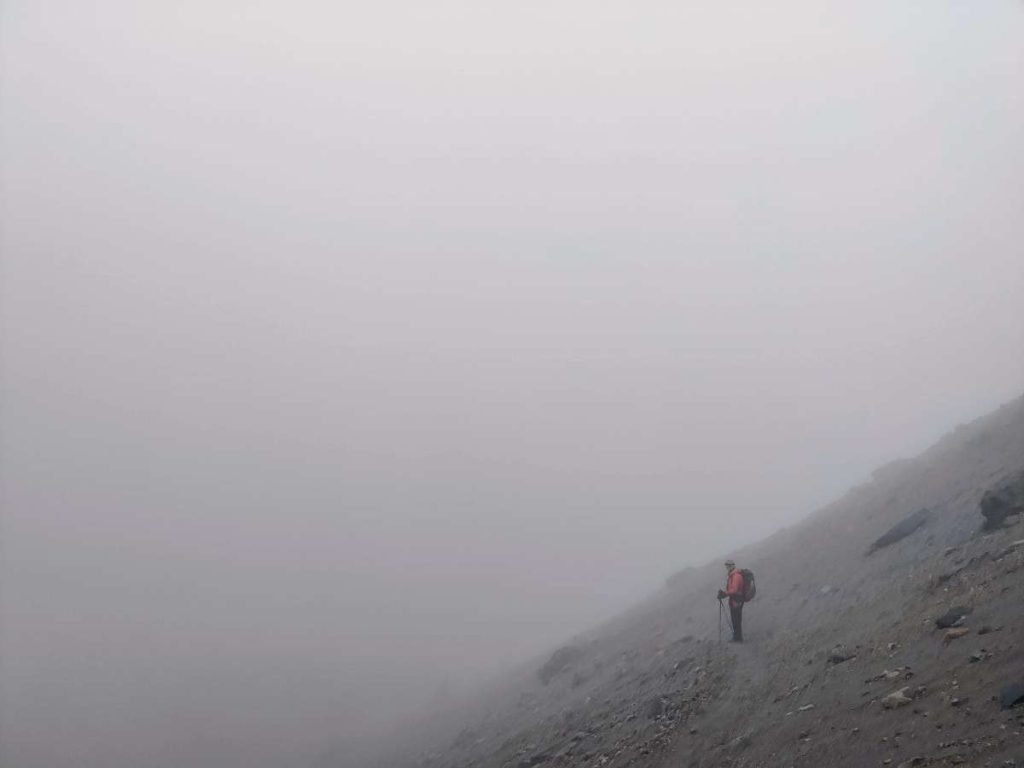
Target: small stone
[[890, 674], [955, 633], [741, 742], [896, 699], [839, 655], [806, 708]]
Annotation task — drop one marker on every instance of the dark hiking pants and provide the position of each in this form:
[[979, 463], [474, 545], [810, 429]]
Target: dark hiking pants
[[736, 613]]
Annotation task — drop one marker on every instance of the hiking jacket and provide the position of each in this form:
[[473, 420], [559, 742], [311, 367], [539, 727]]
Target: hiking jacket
[[734, 588]]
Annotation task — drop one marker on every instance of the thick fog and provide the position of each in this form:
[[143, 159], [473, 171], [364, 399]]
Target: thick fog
[[353, 353]]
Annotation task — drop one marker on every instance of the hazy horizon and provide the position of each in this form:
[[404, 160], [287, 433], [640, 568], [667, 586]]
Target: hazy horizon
[[351, 355]]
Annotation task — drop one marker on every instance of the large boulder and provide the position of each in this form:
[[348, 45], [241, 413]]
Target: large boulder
[[901, 530], [1011, 695], [996, 506], [1000, 503]]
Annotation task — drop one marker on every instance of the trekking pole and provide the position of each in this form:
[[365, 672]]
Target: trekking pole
[[719, 621]]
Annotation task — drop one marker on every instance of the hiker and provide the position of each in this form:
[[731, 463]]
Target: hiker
[[735, 590]]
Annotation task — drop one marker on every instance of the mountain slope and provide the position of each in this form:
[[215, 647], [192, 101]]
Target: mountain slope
[[839, 624]]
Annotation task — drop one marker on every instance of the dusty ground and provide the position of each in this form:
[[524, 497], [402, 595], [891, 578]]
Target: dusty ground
[[655, 688]]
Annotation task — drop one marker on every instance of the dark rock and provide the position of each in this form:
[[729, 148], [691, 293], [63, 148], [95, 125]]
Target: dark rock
[[900, 531], [839, 655], [1011, 695], [995, 506], [560, 660], [953, 617]]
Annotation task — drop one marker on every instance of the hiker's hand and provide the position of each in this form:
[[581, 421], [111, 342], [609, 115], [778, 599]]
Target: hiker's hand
[[721, 594]]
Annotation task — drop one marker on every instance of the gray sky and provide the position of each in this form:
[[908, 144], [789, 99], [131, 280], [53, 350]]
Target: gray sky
[[348, 350]]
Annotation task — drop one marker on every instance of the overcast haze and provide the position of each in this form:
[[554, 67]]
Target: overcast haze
[[352, 354]]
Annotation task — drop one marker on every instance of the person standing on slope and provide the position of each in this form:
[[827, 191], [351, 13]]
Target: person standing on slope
[[735, 590]]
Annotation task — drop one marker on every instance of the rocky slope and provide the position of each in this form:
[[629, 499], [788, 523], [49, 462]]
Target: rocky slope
[[844, 661]]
